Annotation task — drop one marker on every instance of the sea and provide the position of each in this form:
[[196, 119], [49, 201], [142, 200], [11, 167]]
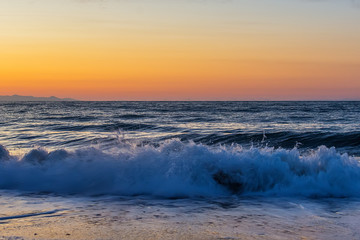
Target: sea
[[180, 170]]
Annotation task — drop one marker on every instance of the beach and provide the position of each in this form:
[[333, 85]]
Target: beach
[[54, 217]]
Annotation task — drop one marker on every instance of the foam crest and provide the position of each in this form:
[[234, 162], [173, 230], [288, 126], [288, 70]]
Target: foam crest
[[177, 169]]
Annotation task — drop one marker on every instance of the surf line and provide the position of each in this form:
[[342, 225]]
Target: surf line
[[31, 215]]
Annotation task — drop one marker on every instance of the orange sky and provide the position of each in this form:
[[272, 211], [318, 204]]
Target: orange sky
[[180, 50]]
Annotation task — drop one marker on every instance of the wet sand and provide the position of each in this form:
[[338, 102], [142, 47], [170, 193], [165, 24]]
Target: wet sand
[[57, 217]]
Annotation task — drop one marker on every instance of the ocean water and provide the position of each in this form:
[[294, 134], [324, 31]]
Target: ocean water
[[179, 170]]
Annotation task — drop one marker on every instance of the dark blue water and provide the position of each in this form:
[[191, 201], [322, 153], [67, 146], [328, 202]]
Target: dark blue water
[[305, 125], [181, 149]]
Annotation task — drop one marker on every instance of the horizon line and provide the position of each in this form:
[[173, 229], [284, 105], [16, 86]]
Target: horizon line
[[21, 98]]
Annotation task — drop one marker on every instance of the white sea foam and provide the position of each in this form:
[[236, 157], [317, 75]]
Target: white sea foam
[[176, 169]]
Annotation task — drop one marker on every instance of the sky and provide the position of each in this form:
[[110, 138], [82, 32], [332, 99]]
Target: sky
[[181, 49]]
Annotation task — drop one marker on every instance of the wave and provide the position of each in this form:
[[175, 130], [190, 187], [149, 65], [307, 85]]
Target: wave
[[285, 139], [177, 169]]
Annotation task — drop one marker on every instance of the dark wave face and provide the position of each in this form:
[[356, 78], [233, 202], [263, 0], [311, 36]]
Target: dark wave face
[[73, 125]]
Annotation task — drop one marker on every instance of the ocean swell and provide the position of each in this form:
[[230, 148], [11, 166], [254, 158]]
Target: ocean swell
[[177, 169]]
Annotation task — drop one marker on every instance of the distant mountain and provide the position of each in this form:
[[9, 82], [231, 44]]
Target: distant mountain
[[17, 98]]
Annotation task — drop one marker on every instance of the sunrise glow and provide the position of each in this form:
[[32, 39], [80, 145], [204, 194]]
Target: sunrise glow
[[180, 50]]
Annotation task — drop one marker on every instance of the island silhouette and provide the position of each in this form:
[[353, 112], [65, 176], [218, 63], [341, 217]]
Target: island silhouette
[[19, 98]]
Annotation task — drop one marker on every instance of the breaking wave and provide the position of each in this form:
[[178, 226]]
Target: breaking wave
[[177, 169]]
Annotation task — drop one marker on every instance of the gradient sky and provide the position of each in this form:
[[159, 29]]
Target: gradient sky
[[181, 49]]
